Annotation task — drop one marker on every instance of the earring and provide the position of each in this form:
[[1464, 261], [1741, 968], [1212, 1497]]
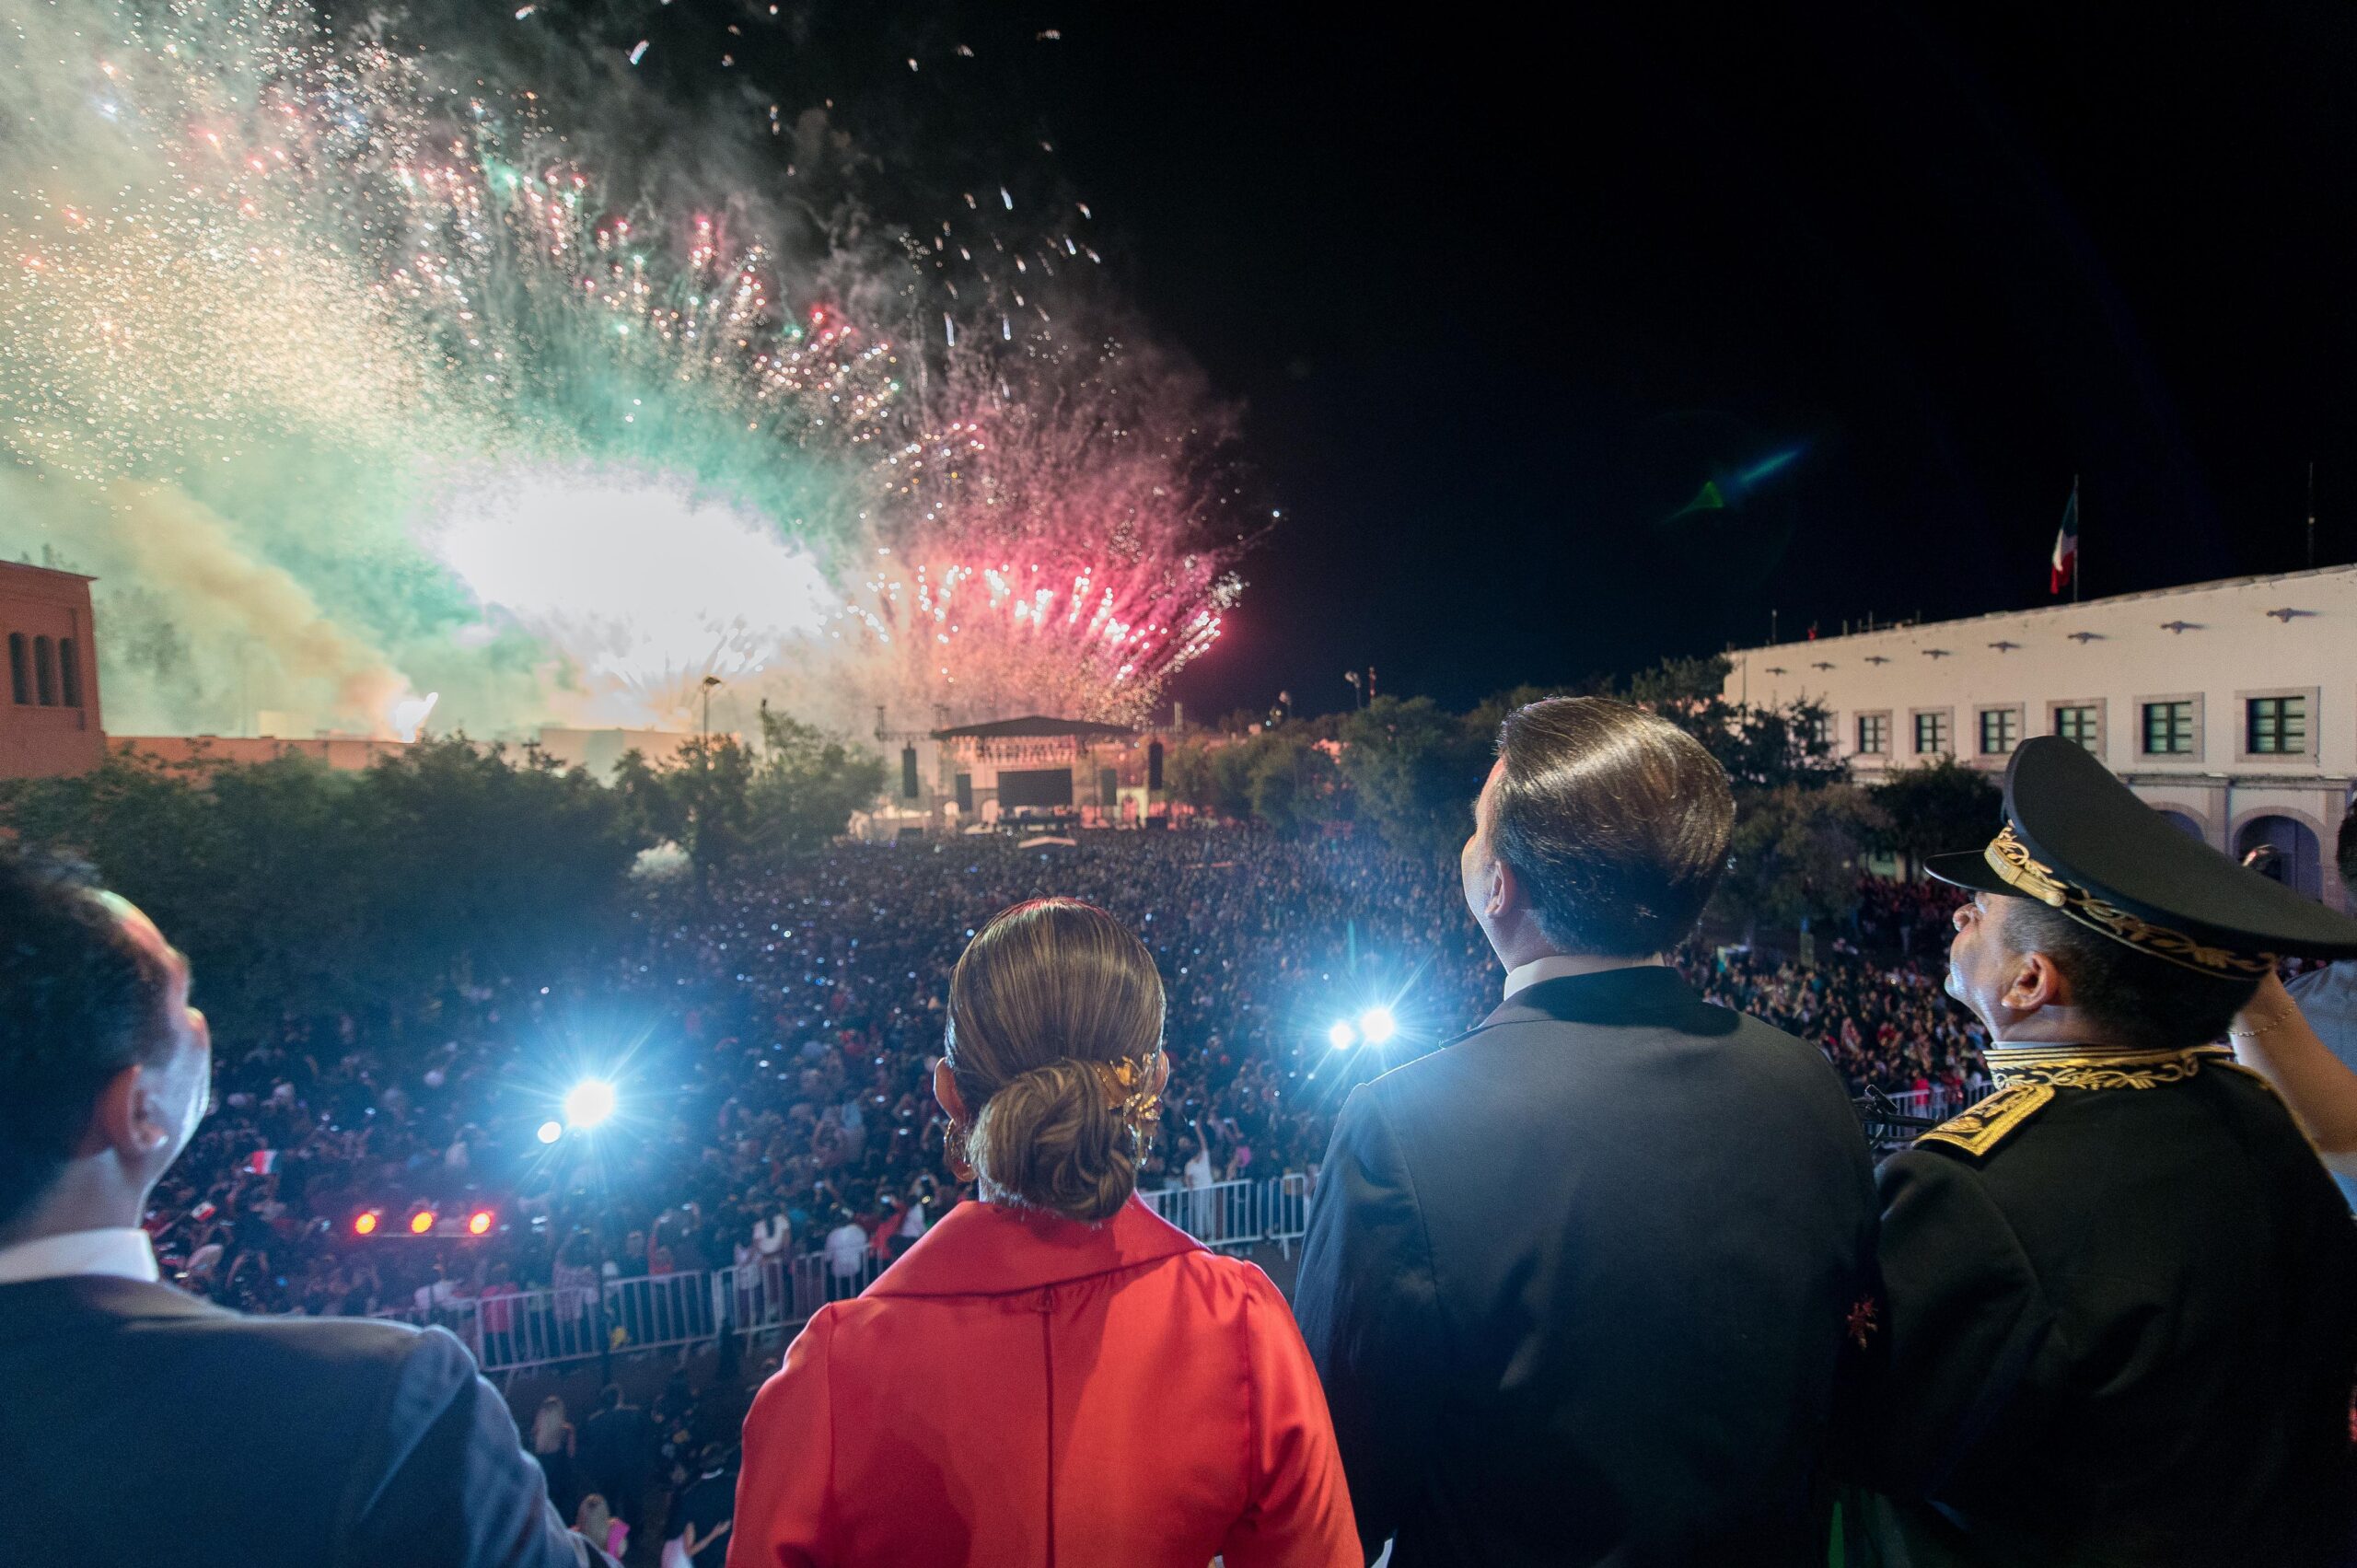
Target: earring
[[953, 1147]]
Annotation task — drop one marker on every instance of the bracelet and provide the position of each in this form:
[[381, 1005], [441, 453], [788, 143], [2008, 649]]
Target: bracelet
[[2269, 1027]]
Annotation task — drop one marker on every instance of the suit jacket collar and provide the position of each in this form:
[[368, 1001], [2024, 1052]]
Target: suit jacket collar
[[1641, 994], [999, 1248]]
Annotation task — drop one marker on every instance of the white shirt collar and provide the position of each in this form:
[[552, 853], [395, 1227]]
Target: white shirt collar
[[1554, 965], [125, 1253]]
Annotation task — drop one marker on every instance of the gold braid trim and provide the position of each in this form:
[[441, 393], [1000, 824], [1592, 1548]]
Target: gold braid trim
[[2012, 861], [2069, 1067]]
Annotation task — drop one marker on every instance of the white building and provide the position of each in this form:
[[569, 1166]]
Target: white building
[[2230, 706]]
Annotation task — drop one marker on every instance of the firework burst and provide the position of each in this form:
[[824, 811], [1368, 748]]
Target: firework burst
[[395, 353]]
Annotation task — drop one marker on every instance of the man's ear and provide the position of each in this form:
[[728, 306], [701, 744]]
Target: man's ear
[[2036, 983], [1505, 890], [126, 1118]]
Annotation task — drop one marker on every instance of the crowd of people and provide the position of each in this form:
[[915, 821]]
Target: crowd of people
[[770, 1041]]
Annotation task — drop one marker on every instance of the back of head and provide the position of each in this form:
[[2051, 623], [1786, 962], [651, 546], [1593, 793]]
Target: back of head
[[1048, 1004], [2137, 1000], [80, 1001], [2345, 848], [1615, 821]]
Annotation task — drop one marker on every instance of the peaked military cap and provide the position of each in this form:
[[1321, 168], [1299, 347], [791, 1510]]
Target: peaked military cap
[[2079, 841]]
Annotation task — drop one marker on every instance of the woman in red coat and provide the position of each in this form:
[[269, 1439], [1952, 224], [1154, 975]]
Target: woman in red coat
[[1052, 1374]]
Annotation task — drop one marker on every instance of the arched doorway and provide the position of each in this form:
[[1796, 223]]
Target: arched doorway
[[2296, 861], [2184, 824]]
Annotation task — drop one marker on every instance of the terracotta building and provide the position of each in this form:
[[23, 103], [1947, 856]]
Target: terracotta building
[[49, 717]]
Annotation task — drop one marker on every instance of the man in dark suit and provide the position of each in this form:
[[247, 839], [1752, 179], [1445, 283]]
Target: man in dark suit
[[2122, 1290], [1580, 1283], [140, 1425]]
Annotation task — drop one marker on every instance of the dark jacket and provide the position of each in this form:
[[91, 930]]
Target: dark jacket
[[2124, 1329], [1579, 1283], [139, 1425]]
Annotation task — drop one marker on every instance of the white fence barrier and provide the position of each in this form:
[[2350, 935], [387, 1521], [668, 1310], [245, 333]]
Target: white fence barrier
[[1240, 1214], [677, 1312]]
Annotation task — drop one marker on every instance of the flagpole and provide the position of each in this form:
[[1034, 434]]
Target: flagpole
[[2079, 560]]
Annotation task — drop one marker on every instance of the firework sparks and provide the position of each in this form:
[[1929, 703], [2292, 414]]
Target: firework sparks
[[550, 454]]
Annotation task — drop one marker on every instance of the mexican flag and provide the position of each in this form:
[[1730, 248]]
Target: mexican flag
[[2066, 543], [262, 1162]]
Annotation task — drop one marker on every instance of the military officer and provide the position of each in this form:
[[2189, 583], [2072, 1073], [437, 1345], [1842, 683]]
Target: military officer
[[2121, 1290]]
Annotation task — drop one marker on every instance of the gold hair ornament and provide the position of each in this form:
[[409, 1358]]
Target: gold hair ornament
[[1131, 1092]]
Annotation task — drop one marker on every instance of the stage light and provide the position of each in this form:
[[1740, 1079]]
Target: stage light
[[588, 1102], [421, 1222], [1378, 1025], [552, 1131], [1341, 1037], [364, 1223], [479, 1223]]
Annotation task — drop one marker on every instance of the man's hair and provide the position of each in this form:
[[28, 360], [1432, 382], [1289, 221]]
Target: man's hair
[[1615, 821], [2345, 850], [2138, 999], [80, 1000]]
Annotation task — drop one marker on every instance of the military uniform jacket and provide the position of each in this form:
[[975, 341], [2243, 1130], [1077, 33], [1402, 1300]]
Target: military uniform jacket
[[1577, 1285], [2122, 1301]]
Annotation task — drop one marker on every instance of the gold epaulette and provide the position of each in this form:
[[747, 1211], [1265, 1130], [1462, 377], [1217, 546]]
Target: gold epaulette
[[1992, 1120], [2028, 1075]]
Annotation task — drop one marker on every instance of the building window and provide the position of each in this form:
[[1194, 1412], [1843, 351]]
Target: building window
[[2168, 728], [20, 669], [1820, 731], [2000, 731], [69, 672], [1930, 734], [45, 670], [2080, 723], [1874, 735], [2276, 727]]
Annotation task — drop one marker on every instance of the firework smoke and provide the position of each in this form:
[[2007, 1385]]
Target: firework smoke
[[353, 387]]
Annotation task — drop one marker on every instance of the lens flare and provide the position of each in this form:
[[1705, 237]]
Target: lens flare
[[587, 1103]]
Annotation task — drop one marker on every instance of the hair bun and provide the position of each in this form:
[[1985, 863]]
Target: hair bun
[[1047, 1139]]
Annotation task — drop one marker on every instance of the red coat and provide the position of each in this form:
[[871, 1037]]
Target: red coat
[[1025, 1390]]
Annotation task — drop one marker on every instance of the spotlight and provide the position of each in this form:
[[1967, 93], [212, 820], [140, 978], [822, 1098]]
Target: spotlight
[[421, 1222], [364, 1223], [588, 1102], [1378, 1025], [552, 1131], [1341, 1037], [479, 1223]]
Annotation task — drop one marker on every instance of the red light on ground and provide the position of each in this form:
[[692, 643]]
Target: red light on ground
[[364, 1225], [421, 1222], [479, 1223]]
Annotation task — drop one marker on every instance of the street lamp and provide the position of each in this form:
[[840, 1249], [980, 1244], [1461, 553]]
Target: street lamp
[[1358, 691], [709, 682]]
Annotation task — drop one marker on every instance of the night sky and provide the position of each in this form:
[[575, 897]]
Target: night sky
[[1499, 301], [1499, 295]]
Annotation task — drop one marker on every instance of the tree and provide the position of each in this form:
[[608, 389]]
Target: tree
[[1415, 770], [1759, 748], [1940, 807], [807, 785], [296, 888], [1794, 856]]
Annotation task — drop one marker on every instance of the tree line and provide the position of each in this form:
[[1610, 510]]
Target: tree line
[[370, 892], [1409, 769]]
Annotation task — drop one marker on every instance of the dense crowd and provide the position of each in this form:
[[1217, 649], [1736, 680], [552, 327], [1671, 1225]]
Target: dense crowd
[[770, 1039]]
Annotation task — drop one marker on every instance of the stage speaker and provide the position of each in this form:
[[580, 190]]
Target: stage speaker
[[1154, 766], [965, 795], [907, 773]]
